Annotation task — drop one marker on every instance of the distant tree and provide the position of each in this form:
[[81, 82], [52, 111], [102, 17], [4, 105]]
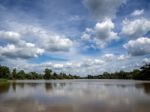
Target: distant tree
[[14, 74], [21, 74], [140, 74], [47, 73], [4, 72], [90, 77], [145, 72], [55, 75], [106, 75], [135, 74]]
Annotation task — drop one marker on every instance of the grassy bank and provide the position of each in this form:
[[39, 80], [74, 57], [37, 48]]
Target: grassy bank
[[3, 81]]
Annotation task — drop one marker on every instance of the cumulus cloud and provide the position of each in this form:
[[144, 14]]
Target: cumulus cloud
[[102, 9], [112, 57], [140, 46], [104, 32], [56, 43], [87, 34], [84, 63], [83, 67], [28, 41], [49, 41], [136, 28], [58, 66], [25, 51], [72, 67], [123, 57], [146, 60], [15, 47], [92, 62], [9, 36], [137, 12], [108, 57]]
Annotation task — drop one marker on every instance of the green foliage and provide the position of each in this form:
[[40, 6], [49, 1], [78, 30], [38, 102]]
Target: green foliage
[[14, 74], [4, 72], [3, 81], [142, 74], [136, 74], [145, 72], [47, 73]]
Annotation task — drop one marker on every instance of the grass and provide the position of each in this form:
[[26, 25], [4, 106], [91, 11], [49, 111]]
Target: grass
[[3, 81]]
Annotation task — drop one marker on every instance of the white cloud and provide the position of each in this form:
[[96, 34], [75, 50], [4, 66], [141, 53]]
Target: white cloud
[[102, 9], [123, 57], [58, 66], [80, 67], [87, 34], [9, 36], [49, 41], [92, 62], [136, 28], [89, 62], [72, 65], [25, 51], [56, 43], [137, 12], [112, 57], [108, 57], [104, 33], [140, 46], [146, 60], [30, 41], [15, 47]]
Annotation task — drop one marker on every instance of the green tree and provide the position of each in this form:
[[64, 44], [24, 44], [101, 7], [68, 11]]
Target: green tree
[[48, 73], [145, 72], [4, 72], [135, 74], [21, 74], [14, 74]]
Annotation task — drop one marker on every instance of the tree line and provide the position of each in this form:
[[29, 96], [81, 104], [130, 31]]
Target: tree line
[[6, 73], [140, 74]]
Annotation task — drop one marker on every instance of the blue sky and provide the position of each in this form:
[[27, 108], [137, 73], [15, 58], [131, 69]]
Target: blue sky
[[75, 36]]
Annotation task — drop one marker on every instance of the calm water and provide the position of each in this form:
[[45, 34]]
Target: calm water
[[75, 96]]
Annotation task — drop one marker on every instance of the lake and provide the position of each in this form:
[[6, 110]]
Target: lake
[[75, 96]]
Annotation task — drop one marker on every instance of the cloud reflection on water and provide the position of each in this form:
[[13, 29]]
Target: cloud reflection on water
[[76, 96]]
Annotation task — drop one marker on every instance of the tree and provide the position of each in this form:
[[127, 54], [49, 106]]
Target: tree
[[14, 74], [145, 72], [4, 72], [21, 74], [135, 74], [55, 75], [48, 73]]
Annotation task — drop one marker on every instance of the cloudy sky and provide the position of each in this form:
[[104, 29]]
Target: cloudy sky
[[75, 36]]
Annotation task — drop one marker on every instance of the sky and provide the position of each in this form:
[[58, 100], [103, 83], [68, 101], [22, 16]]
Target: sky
[[81, 37]]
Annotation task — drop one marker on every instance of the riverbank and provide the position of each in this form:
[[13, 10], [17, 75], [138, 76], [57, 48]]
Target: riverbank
[[3, 81]]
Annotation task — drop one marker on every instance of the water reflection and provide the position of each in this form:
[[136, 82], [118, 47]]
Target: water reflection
[[4, 88], [14, 86], [144, 86], [48, 86], [75, 96]]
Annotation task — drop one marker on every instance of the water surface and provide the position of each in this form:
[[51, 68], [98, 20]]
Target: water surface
[[75, 96]]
